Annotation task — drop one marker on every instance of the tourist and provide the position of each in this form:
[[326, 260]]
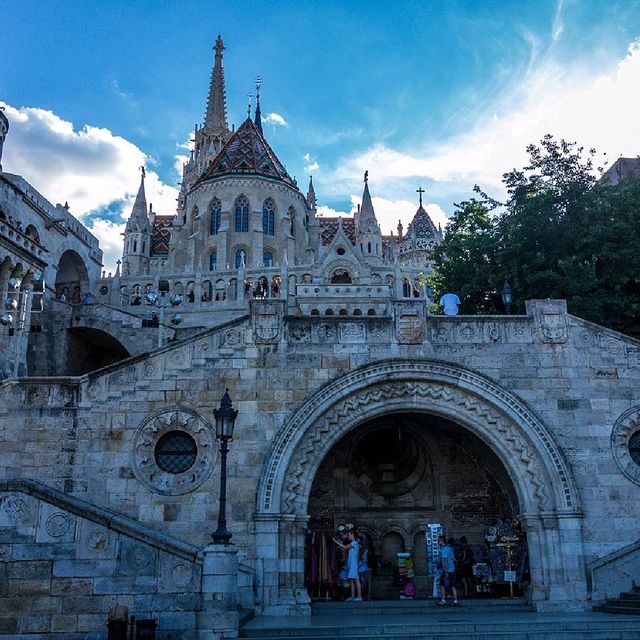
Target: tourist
[[464, 559], [448, 575], [352, 548], [450, 303], [364, 570]]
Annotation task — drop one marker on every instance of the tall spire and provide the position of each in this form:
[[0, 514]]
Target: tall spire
[[311, 195], [258, 119], [139, 217], [216, 114]]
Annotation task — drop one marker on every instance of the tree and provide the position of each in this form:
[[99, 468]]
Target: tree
[[561, 234]]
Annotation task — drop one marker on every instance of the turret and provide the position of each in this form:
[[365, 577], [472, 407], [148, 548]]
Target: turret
[[368, 235], [137, 236]]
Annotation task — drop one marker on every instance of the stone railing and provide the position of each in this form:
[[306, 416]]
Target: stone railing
[[343, 299], [614, 573]]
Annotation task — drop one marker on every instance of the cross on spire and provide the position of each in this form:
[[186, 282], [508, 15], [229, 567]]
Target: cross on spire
[[420, 190]]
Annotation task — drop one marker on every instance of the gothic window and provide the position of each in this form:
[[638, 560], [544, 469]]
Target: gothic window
[[216, 209], [241, 258], [135, 246], [213, 261], [292, 219], [242, 215], [268, 217], [195, 215], [267, 259]]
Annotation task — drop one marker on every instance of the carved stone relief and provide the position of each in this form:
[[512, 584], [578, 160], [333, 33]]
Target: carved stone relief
[[627, 426]]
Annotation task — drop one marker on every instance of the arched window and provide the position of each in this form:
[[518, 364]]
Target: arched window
[[292, 220], [241, 258], [242, 215], [215, 209], [213, 261], [268, 217], [267, 259]]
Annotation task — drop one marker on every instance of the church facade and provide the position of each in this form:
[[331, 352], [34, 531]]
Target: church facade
[[354, 406]]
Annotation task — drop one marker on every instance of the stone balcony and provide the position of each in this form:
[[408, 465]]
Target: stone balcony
[[343, 300]]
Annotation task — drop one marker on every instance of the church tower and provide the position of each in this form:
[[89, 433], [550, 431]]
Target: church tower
[[137, 236], [212, 135], [368, 235]]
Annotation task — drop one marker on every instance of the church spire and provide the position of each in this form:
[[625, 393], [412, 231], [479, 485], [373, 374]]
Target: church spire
[[258, 118], [139, 218], [311, 195], [216, 114], [368, 234]]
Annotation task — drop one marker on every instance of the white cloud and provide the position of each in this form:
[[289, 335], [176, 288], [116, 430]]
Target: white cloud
[[275, 119], [91, 168], [110, 236], [600, 110]]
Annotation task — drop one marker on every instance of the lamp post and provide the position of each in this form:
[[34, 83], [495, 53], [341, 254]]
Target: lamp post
[[225, 421], [507, 296]]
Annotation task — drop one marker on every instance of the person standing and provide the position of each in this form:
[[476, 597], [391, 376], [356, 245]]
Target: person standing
[[450, 303], [352, 548], [448, 575]]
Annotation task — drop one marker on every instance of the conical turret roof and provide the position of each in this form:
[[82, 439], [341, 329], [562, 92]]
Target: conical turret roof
[[422, 226], [139, 220], [248, 153], [367, 221]]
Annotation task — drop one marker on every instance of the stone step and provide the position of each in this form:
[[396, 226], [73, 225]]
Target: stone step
[[615, 606], [630, 595], [444, 624], [413, 607]]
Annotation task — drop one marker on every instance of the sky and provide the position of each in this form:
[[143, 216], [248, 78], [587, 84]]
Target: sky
[[440, 95]]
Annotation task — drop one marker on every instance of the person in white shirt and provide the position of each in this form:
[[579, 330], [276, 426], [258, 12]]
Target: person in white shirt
[[450, 303]]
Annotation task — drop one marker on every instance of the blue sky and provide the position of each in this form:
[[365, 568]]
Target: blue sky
[[441, 95]]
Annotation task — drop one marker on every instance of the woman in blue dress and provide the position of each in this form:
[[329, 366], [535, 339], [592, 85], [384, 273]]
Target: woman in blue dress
[[352, 548]]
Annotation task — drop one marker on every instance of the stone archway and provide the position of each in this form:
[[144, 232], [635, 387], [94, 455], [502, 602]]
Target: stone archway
[[72, 277], [548, 498]]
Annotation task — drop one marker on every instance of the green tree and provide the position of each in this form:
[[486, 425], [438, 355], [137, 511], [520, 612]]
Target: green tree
[[561, 234]]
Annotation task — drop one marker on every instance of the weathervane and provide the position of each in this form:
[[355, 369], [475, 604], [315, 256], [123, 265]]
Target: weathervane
[[258, 84], [142, 171], [420, 190], [249, 96], [366, 176]]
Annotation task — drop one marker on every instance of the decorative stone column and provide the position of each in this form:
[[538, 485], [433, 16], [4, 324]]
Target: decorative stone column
[[218, 618]]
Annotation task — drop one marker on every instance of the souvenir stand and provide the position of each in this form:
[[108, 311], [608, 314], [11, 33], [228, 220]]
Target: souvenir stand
[[321, 565], [432, 533], [404, 576], [507, 565]]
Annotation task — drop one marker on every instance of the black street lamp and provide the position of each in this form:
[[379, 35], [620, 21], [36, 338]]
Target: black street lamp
[[225, 421], [507, 296]]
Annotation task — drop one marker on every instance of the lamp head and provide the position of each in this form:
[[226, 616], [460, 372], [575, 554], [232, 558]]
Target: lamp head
[[225, 418]]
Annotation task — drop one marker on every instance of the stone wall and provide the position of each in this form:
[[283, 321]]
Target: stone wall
[[94, 436], [65, 563]]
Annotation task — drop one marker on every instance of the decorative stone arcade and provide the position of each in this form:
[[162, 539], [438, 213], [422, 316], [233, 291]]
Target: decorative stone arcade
[[545, 490]]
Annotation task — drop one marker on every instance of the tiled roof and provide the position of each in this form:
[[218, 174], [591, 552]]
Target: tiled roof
[[329, 228], [248, 153], [160, 236]]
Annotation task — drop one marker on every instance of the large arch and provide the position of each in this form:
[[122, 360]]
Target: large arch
[[547, 494]]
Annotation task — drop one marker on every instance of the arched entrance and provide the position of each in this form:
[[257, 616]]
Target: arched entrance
[[397, 477], [72, 277], [546, 495]]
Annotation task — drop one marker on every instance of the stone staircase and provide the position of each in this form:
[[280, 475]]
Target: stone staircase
[[627, 603], [423, 620]]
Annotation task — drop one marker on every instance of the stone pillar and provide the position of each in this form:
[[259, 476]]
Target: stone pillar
[[218, 618]]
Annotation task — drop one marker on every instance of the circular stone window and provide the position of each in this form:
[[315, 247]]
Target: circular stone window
[[625, 444], [173, 451], [104, 290], [634, 447], [176, 452]]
